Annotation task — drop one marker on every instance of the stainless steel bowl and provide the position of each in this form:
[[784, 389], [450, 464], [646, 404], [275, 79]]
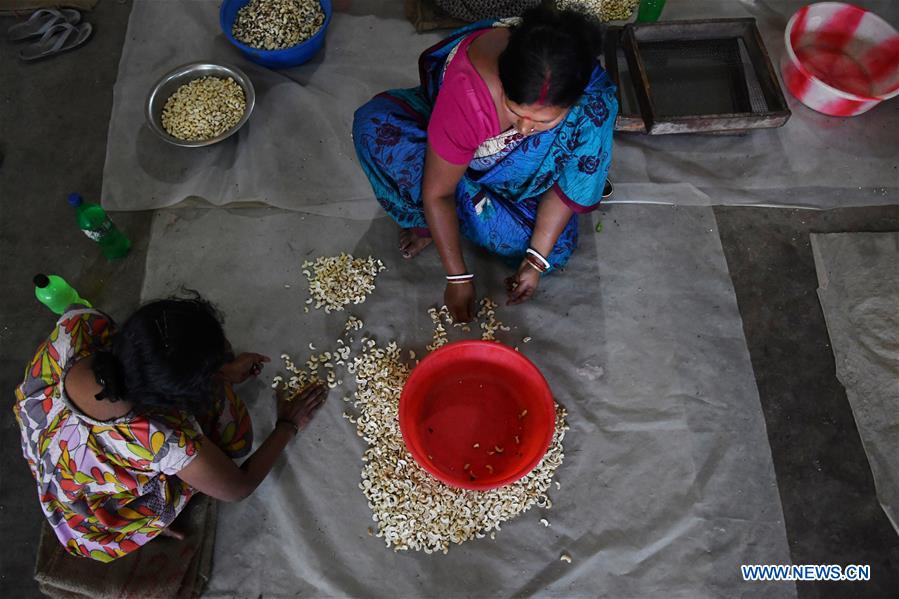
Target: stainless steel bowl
[[170, 82]]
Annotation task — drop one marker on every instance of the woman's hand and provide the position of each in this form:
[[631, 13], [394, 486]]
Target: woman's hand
[[303, 406], [459, 300], [215, 474], [243, 367], [523, 285]]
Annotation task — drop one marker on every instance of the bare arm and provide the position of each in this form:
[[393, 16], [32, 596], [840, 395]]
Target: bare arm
[[552, 218], [438, 193], [438, 190], [215, 474]]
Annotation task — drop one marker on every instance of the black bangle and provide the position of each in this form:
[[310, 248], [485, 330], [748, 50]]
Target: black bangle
[[296, 429]]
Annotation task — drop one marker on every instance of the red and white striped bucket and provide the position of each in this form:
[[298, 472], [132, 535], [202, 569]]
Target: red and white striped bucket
[[840, 59]]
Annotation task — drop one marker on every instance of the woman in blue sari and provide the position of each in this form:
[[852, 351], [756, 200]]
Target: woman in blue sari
[[506, 140]]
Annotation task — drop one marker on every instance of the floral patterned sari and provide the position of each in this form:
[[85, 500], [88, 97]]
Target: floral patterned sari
[[108, 487], [498, 196]]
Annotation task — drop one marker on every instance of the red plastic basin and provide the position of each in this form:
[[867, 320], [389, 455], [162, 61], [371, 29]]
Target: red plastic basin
[[840, 59], [477, 393]]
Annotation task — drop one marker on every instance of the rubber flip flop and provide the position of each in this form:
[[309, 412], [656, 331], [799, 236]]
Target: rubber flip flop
[[59, 38], [41, 21]]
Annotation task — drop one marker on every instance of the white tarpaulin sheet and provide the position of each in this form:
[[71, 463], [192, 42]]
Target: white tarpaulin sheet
[[667, 485], [813, 161], [296, 151], [858, 285]]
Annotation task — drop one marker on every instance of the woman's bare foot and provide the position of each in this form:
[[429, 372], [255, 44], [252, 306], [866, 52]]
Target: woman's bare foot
[[411, 244], [173, 533]]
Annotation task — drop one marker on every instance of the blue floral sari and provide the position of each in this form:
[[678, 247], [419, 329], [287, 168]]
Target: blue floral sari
[[498, 196]]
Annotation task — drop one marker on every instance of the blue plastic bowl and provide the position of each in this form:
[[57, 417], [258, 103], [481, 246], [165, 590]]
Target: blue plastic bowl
[[274, 59]]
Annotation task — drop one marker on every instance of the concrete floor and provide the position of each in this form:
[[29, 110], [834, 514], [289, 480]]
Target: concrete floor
[[53, 121], [53, 125], [830, 509]]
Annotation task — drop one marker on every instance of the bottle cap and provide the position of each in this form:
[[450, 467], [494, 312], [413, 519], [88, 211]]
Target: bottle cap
[[41, 280], [75, 199]]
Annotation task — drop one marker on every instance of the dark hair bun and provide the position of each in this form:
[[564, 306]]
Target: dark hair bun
[[550, 57]]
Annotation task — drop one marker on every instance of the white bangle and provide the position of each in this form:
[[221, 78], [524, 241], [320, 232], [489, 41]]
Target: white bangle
[[465, 277], [539, 256]]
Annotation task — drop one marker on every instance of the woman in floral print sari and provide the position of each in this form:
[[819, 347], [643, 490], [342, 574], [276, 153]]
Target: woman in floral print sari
[[121, 428], [506, 140]]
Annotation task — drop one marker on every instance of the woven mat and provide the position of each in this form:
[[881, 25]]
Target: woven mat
[[427, 16], [165, 567], [17, 7]]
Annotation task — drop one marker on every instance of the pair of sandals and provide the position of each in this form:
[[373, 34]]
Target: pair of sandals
[[57, 30]]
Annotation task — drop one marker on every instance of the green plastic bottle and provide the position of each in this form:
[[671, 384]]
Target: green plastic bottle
[[96, 224], [55, 293], [650, 11]]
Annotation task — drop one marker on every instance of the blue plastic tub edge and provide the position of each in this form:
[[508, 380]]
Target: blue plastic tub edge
[[274, 59]]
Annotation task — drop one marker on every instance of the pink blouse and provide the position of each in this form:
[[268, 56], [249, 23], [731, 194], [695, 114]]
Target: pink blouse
[[464, 114]]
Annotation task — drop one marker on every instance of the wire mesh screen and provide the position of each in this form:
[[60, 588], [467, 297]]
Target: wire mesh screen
[[701, 77], [756, 95], [629, 103]]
